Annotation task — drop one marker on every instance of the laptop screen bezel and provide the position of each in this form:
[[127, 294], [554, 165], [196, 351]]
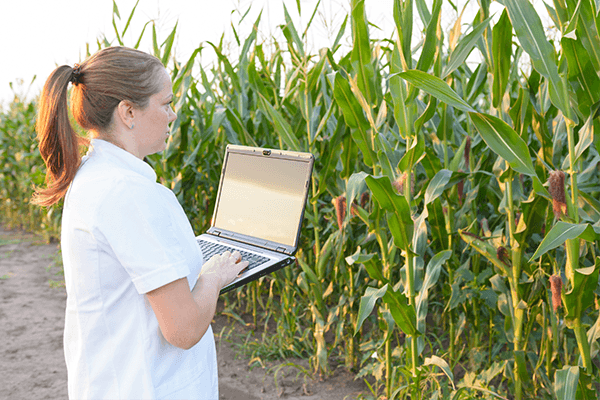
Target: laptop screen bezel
[[306, 158]]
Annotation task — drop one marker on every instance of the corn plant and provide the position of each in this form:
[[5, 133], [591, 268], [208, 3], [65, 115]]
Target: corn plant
[[21, 171]]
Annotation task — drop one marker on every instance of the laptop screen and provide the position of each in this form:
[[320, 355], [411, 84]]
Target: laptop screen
[[263, 196]]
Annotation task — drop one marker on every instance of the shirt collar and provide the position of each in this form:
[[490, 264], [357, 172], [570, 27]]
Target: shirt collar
[[120, 157]]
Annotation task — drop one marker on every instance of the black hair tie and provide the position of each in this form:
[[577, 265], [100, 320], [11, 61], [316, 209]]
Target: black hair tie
[[76, 75]]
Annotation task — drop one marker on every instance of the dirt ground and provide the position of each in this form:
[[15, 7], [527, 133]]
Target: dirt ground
[[32, 362]]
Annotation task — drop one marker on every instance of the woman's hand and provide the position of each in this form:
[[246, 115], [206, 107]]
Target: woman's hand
[[224, 268], [185, 316]]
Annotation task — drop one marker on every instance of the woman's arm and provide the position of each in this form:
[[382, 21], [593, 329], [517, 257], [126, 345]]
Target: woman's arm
[[184, 315]]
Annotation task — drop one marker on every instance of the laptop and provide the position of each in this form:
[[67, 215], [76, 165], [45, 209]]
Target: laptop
[[259, 209]]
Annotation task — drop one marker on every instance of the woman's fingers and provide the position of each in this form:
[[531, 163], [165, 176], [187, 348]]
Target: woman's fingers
[[228, 265]]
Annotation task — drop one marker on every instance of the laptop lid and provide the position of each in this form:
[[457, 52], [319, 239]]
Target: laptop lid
[[262, 195]]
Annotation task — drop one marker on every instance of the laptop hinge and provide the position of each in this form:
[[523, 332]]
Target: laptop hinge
[[214, 232], [282, 250]]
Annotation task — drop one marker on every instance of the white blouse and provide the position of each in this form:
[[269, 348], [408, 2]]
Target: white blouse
[[123, 235]]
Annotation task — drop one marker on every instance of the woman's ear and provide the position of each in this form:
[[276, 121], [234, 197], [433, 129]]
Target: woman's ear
[[126, 113]]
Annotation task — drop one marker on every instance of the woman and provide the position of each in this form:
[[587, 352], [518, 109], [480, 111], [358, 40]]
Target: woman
[[139, 299]]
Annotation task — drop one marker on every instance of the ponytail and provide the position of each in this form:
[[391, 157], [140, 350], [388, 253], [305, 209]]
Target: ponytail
[[102, 81], [59, 143]]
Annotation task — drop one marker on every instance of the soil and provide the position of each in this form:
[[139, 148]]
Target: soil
[[32, 311]]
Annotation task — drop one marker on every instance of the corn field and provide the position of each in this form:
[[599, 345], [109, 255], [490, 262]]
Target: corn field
[[450, 242]]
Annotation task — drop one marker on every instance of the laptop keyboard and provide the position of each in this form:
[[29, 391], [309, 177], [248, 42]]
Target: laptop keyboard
[[209, 249]]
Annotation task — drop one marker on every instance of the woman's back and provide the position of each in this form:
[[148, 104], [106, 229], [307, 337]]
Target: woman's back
[[124, 235]]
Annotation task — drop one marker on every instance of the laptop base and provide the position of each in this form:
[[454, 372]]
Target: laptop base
[[275, 267]]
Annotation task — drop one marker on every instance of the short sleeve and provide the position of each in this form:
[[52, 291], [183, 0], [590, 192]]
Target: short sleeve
[[133, 221]]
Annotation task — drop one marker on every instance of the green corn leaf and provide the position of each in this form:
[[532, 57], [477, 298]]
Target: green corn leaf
[[291, 34], [437, 223], [528, 27], [592, 206], [427, 114], [323, 123], [228, 68], [560, 233], [442, 364], [354, 187], [521, 365], [582, 75], [116, 10], [310, 273], [593, 334], [430, 44], [586, 138], [464, 48], [521, 114], [403, 313], [340, 34], [437, 185], [477, 83], [349, 155], [386, 166], [501, 54], [358, 257], [399, 215], [432, 273], [560, 12], [361, 51], [398, 90], [191, 157], [437, 88], [310, 21], [185, 71], [553, 15], [235, 120], [282, 127], [248, 42], [581, 296], [587, 32], [423, 11], [419, 243], [585, 388], [365, 105], [114, 22], [504, 141], [155, 47], [130, 17], [243, 17], [315, 73], [255, 79], [532, 217], [375, 269], [168, 43], [403, 17], [459, 156], [137, 44], [235, 35], [354, 117], [486, 250], [325, 254], [565, 383], [367, 302]]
